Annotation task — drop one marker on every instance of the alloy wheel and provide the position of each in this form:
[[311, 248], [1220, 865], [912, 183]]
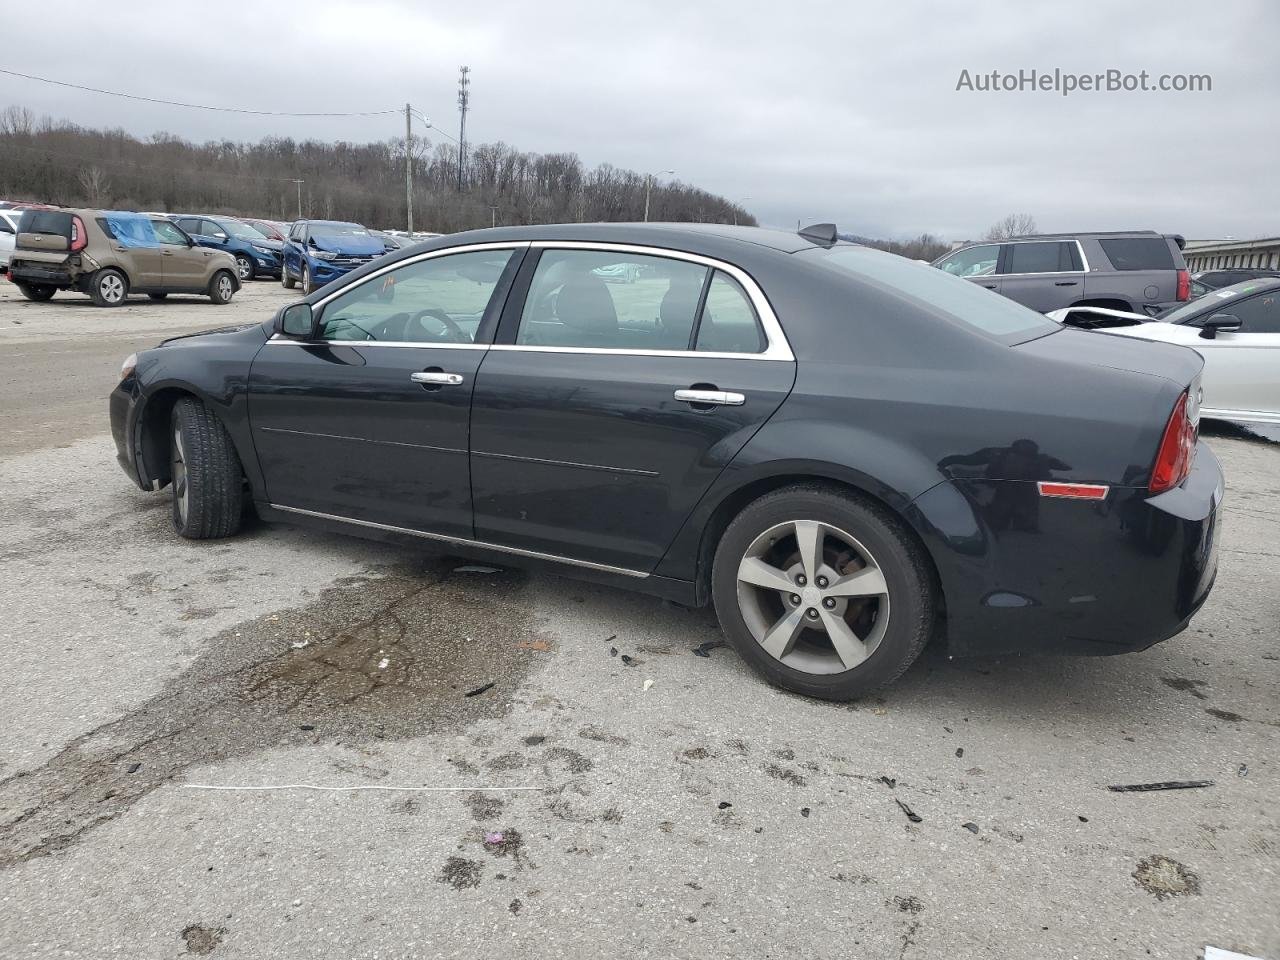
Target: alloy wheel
[[178, 472], [306, 280], [813, 597], [112, 288], [244, 268], [225, 289]]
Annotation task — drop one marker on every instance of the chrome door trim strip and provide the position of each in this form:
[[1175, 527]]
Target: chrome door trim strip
[[382, 443], [463, 541], [278, 339], [632, 471]]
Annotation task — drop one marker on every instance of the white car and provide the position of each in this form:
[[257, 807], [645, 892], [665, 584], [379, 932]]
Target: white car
[[8, 236], [1236, 330]]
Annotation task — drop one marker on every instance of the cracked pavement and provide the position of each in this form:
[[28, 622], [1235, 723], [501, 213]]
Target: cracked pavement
[[708, 815]]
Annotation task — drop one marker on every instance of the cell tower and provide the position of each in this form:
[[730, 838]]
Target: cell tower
[[464, 102]]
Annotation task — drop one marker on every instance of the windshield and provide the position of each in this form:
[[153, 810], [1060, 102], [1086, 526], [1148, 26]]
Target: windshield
[[241, 230], [955, 298], [338, 230], [1210, 301]]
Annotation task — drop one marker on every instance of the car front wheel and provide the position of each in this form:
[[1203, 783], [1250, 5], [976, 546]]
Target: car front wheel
[[205, 473], [222, 288], [823, 593], [244, 268]]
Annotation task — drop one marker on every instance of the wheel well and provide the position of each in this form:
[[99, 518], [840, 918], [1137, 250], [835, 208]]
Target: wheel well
[[737, 501], [1124, 305]]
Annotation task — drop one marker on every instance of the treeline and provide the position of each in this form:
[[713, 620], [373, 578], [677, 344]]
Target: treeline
[[59, 162]]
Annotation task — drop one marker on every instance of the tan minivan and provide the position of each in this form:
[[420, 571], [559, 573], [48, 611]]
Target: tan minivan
[[109, 254]]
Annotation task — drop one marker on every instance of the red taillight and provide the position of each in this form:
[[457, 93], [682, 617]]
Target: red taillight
[[1177, 448], [1184, 285], [79, 239]]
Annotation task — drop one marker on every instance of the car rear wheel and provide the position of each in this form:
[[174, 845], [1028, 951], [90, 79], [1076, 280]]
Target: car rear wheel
[[823, 593], [222, 288], [38, 292], [110, 287], [206, 478], [244, 268], [307, 282]]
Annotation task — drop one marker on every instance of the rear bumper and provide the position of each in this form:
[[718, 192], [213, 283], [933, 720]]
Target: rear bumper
[[26, 271], [1023, 573]]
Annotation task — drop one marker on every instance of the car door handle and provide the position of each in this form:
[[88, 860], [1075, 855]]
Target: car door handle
[[166, 253], [1064, 283], [721, 398], [989, 286], [436, 378]]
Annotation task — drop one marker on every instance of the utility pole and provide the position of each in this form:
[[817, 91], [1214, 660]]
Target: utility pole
[[648, 185], [299, 183], [408, 168], [464, 101]]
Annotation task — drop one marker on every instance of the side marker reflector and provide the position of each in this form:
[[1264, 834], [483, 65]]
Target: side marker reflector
[[1073, 491]]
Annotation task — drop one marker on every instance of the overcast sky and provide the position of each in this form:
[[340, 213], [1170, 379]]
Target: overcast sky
[[844, 111]]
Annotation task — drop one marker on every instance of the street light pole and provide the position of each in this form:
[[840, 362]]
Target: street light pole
[[648, 185], [408, 167]]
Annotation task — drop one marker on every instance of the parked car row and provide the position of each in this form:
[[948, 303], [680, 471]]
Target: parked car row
[[109, 254]]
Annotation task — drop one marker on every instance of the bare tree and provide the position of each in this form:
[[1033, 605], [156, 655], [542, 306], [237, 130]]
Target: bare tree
[[95, 184], [1014, 225], [16, 121]]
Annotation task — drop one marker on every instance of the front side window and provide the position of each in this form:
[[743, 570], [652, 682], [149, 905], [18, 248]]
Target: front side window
[[1260, 314], [437, 301], [210, 229], [5, 226], [614, 301], [972, 262], [166, 232]]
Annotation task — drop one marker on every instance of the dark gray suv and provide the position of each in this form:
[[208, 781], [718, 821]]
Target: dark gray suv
[[1136, 271]]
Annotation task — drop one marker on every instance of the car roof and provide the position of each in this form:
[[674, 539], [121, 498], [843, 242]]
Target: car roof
[[692, 237]]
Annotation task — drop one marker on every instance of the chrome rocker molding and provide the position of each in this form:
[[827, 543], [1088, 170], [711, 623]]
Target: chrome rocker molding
[[464, 541]]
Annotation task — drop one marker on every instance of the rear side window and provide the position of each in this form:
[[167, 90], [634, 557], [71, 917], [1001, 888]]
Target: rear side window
[[955, 299], [613, 301], [1138, 253], [1041, 257], [4, 225]]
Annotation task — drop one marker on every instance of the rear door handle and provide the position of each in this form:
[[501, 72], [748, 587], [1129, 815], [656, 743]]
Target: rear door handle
[[436, 378], [989, 286], [721, 398], [1064, 283]]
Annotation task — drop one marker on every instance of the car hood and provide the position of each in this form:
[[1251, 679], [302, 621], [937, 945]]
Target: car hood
[[211, 332], [348, 245], [270, 244]]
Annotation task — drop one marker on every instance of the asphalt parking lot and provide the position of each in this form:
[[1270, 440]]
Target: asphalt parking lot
[[585, 810]]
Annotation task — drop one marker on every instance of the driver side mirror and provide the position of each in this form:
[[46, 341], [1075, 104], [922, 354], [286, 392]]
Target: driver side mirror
[[297, 321], [1219, 323]]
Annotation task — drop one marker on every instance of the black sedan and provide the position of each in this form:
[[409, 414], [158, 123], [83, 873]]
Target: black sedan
[[847, 452]]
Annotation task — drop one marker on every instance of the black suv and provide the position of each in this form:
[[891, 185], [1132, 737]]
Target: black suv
[[1135, 271]]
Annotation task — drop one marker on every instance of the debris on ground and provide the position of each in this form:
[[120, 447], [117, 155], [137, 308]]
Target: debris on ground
[[1243, 770], [475, 568], [724, 805], [648, 683], [134, 768], [479, 690], [1217, 953], [1162, 785], [494, 837], [804, 812], [1082, 818], [631, 661], [959, 752], [911, 814], [613, 651], [889, 782], [1165, 877], [971, 827], [383, 663], [704, 649]]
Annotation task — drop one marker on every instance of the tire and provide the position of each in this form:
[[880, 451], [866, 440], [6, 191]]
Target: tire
[[885, 624], [307, 282], [109, 287], [38, 292], [205, 472], [286, 281], [244, 268], [222, 288], [157, 296]]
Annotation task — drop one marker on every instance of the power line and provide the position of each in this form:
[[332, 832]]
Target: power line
[[195, 106]]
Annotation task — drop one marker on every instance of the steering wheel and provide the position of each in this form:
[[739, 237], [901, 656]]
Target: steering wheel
[[455, 333]]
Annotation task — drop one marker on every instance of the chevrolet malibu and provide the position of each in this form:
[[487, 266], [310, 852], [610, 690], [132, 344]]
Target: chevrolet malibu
[[847, 453]]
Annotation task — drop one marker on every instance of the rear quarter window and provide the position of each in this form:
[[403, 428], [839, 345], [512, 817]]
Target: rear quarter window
[[1138, 253]]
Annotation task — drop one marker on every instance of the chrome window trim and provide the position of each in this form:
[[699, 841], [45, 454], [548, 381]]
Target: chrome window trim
[[464, 541], [1084, 261], [778, 348]]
